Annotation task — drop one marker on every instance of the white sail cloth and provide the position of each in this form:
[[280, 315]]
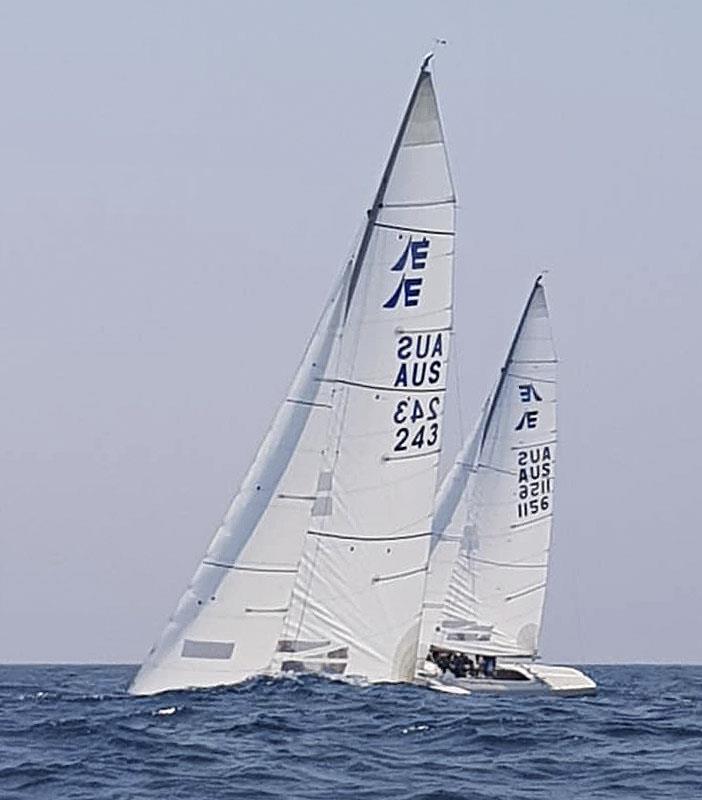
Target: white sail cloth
[[494, 511], [227, 624], [446, 542], [356, 603], [320, 561]]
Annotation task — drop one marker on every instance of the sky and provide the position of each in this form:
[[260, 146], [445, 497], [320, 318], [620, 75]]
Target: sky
[[179, 185]]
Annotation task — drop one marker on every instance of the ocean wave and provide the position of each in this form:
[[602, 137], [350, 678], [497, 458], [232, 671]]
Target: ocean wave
[[74, 732]]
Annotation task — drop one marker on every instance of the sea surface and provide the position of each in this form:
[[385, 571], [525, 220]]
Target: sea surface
[[73, 732]]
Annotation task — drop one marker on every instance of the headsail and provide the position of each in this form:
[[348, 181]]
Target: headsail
[[227, 624], [494, 511], [356, 603]]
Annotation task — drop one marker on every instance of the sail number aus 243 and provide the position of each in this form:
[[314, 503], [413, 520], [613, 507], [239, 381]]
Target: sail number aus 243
[[420, 356], [420, 364], [410, 411]]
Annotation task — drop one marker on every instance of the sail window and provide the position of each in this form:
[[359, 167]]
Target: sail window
[[193, 648], [298, 645], [324, 481], [322, 507]]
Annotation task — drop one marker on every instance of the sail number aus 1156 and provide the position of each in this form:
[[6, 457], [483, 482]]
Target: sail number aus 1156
[[534, 481]]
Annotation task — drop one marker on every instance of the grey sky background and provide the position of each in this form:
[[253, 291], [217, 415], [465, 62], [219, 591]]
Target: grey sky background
[[179, 185]]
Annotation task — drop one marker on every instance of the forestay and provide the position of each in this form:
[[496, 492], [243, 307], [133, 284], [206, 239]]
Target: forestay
[[227, 624], [356, 603], [494, 511]]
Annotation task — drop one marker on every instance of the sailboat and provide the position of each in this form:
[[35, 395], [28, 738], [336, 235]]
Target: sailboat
[[320, 563], [486, 584], [334, 557]]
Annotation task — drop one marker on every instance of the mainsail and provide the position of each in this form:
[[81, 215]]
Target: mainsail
[[492, 531], [319, 563], [356, 603]]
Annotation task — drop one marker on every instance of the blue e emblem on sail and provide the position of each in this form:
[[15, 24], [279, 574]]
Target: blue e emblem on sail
[[409, 289], [527, 393]]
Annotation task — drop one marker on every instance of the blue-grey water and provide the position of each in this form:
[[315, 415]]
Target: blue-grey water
[[73, 732]]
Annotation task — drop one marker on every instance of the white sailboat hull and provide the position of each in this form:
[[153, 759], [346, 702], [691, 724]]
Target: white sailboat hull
[[523, 679]]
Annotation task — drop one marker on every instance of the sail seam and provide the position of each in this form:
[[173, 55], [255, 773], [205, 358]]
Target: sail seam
[[376, 387], [428, 231], [525, 592], [406, 574], [507, 564], [242, 568], [496, 469], [535, 378], [325, 535], [530, 521], [534, 360], [307, 403], [428, 204], [533, 444], [413, 455], [432, 329]]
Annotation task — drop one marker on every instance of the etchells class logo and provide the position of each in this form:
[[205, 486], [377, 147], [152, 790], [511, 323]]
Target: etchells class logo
[[409, 289]]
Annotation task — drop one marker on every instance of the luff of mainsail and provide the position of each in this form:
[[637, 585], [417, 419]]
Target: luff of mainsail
[[495, 508], [356, 603], [227, 623]]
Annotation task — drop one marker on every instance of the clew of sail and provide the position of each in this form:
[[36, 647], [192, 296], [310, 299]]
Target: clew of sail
[[227, 624], [356, 603], [494, 511]]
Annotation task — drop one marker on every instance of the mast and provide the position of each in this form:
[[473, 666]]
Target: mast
[[500, 383], [374, 210]]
